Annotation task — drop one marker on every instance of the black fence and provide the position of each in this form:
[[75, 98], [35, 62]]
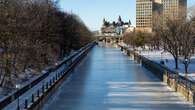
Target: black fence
[[159, 70], [75, 57]]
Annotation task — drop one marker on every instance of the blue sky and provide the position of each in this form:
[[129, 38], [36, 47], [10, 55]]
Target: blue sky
[[92, 12]]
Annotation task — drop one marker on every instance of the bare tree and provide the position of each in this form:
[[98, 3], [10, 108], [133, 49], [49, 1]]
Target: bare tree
[[187, 41], [187, 32], [129, 38], [35, 34], [177, 37], [171, 39]]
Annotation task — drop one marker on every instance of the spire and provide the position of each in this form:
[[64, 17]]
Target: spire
[[119, 19], [104, 21], [120, 22], [129, 22]]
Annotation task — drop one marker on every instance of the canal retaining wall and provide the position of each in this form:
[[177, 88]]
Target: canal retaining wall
[[51, 89], [59, 73], [176, 82]]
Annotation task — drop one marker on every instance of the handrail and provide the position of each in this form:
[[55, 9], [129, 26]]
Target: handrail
[[171, 73], [10, 98]]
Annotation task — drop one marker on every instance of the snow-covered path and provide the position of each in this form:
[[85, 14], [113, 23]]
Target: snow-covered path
[[168, 59]]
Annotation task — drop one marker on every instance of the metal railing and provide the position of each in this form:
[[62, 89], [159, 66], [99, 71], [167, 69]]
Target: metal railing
[[159, 69], [57, 73]]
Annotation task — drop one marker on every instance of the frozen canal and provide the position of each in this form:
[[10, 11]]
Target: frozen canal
[[107, 80]]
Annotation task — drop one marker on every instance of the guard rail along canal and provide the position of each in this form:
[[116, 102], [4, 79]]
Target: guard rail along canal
[[34, 93], [178, 83]]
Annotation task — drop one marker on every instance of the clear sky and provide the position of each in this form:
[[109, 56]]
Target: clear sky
[[92, 12]]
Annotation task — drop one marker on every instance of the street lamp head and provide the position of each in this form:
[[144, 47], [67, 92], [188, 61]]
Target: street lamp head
[[18, 86]]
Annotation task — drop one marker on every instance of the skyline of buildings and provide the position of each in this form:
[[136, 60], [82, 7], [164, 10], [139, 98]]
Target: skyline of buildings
[[87, 9], [144, 14], [147, 9], [174, 9]]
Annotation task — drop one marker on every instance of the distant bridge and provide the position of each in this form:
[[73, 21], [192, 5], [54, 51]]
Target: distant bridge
[[109, 38]]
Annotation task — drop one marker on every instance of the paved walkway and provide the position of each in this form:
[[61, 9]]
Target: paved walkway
[[107, 80]]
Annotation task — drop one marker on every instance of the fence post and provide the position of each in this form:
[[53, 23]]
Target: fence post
[[193, 98], [43, 89], [56, 77], [121, 48], [128, 53], [38, 93], [53, 80], [176, 81], [26, 104], [32, 98], [50, 82]]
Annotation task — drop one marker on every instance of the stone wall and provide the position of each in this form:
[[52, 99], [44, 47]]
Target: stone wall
[[176, 82], [40, 98]]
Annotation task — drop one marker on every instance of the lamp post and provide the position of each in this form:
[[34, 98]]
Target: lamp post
[[161, 58], [18, 105], [186, 63]]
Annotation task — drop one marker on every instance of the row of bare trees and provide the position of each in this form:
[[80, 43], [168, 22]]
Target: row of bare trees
[[35, 34], [141, 39], [175, 35]]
